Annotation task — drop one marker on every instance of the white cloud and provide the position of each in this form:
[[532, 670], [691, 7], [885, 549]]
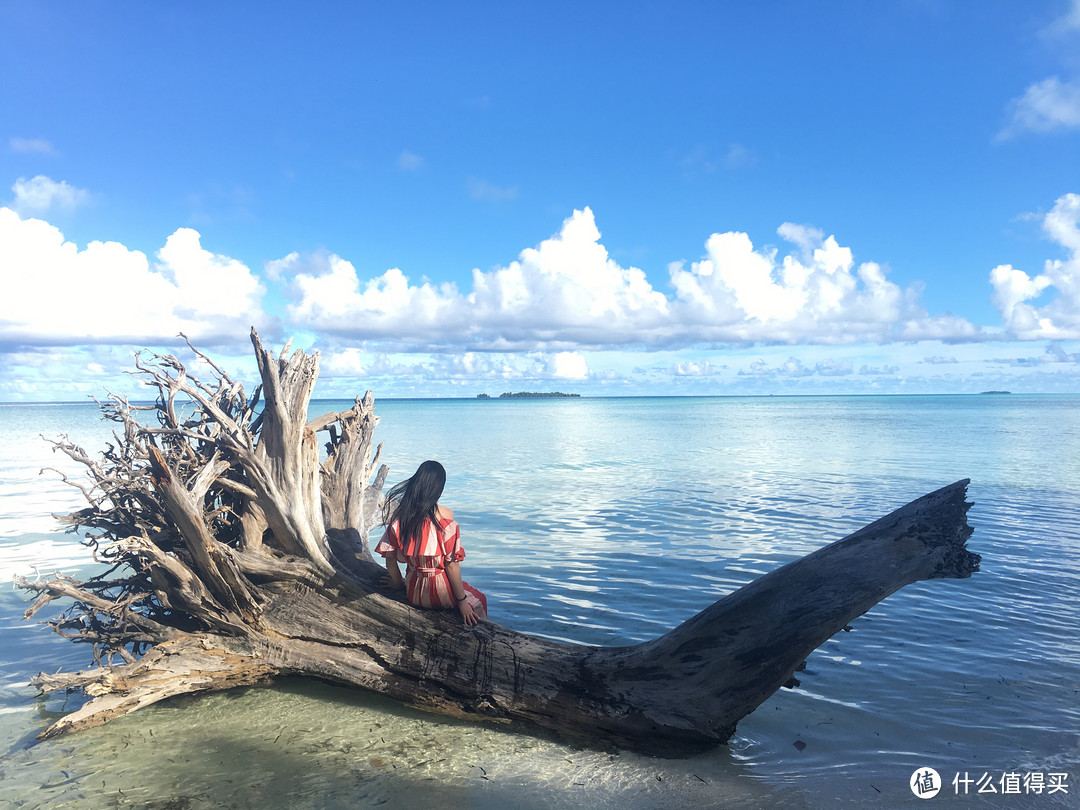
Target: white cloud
[[1053, 104], [207, 285], [107, 293], [347, 362], [1046, 106], [478, 365], [333, 299], [38, 194], [1068, 22], [569, 293], [409, 162], [31, 146], [285, 266], [567, 366], [792, 367], [1015, 291], [482, 190], [742, 294], [831, 367], [567, 290], [694, 368], [806, 238]]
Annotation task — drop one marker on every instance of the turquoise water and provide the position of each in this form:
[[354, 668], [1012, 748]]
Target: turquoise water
[[608, 521]]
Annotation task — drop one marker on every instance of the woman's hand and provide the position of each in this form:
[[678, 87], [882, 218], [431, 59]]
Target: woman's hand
[[393, 580], [468, 615]]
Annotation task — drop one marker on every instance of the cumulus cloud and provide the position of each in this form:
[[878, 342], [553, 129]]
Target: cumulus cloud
[[568, 292], [739, 293], [107, 293], [348, 362], [566, 366], [565, 291], [1016, 293], [834, 368], [332, 298], [278, 268], [480, 365], [693, 368], [563, 295], [792, 367], [39, 194]]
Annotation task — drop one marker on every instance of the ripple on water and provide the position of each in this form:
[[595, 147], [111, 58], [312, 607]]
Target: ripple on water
[[578, 536]]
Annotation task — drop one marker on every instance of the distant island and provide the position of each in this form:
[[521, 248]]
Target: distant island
[[531, 395], [995, 392]]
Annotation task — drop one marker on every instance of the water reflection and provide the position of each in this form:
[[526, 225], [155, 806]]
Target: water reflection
[[609, 522]]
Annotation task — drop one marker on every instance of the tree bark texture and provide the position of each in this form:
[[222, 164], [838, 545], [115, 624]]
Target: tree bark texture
[[237, 556]]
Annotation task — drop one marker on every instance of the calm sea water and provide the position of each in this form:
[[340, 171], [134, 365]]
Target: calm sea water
[[608, 521]]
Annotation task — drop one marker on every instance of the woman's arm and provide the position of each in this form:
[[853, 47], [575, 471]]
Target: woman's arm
[[453, 573], [394, 580]]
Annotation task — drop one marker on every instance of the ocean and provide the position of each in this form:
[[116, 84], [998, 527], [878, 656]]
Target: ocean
[[609, 521]]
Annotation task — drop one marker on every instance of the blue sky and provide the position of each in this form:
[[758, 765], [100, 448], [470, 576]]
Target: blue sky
[[608, 198]]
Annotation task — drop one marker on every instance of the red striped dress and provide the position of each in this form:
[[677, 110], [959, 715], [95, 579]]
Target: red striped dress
[[426, 557]]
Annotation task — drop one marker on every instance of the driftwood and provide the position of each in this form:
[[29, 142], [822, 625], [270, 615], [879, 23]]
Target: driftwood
[[237, 556]]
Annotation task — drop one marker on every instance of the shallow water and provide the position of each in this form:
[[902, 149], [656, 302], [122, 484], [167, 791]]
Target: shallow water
[[607, 522]]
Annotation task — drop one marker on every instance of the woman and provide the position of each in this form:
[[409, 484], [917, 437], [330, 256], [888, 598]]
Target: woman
[[425, 537]]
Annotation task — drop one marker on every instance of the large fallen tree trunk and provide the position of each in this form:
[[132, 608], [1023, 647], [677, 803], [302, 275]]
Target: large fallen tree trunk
[[238, 557]]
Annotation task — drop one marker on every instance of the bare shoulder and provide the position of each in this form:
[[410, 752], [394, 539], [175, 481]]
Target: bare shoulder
[[444, 513]]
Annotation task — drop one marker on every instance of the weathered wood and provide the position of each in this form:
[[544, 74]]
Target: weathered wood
[[238, 569]]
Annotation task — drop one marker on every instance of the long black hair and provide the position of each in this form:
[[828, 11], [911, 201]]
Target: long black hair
[[414, 500]]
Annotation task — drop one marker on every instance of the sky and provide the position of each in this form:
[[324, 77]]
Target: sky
[[605, 198]]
